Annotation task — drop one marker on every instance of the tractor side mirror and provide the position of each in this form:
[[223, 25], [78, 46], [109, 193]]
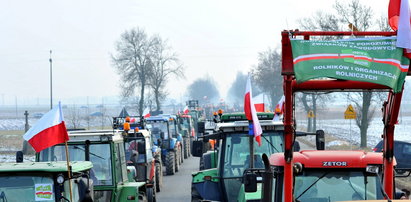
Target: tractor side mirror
[[162, 135], [201, 126], [19, 157], [320, 140], [250, 182], [198, 148], [297, 146], [141, 147]]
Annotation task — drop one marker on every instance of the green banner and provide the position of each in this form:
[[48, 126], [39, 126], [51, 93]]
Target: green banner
[[375, 60]]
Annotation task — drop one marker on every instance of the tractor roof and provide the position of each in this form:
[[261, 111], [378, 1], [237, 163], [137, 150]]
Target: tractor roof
[[161, 117], [331, 159], [55, 166], [95, 135]]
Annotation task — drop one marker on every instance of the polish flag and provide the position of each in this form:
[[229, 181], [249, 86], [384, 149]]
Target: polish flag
[[185, 111], [399, 17], [48, 131], [259, 103], [279, 109], [251, 113], [146, 113]]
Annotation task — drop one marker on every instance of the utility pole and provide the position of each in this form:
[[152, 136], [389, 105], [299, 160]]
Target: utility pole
[[51, 82]]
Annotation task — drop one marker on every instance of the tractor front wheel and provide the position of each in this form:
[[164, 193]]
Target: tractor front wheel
[[170, 163], [159, 177]]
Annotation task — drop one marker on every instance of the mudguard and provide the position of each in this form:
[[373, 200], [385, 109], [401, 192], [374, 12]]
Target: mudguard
[[130, 190], [206, 184]]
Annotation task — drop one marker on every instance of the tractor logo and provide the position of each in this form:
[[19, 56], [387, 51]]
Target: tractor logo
[[334, 163]]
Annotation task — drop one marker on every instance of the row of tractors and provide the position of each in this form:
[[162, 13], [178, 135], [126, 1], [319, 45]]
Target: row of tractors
[[277, 171], [123, 164]]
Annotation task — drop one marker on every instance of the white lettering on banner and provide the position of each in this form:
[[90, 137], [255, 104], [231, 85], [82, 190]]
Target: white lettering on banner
[[342, 67], [356, 75], [334, 163]]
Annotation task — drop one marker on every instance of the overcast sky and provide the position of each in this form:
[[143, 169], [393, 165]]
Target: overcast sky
[[212, 37]]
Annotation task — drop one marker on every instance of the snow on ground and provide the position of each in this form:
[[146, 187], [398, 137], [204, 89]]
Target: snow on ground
[[12, 158], [344, 130]]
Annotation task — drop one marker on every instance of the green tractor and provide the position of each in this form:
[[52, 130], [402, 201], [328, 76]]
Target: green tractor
[[105, 149], [224, 168], [45, 181]]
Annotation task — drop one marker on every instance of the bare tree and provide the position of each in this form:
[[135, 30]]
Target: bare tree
[[74, 117], [237, 89], [132, 61], [360, 16], [267, 75], [203, 87], [164, 64]]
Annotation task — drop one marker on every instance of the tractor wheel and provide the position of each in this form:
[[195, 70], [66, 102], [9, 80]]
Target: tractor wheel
[[181, 154], [186, 150], [201, 163], [170, 163], [159, 177], [151, 195], [177, 160]]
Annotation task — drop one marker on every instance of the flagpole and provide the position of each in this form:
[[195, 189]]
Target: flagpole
[[68, 170], [251, 142]]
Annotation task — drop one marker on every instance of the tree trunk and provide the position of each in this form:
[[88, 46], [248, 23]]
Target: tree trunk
[[157, 97], [364, 118], [141, 102]]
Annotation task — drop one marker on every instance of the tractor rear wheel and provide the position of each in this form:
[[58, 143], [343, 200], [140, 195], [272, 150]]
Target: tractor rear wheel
[[151, 195], [159, 177], [186, 148], [170, 163], [177, 160]]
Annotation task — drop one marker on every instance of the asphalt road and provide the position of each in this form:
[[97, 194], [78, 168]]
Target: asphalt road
[[177, 188]]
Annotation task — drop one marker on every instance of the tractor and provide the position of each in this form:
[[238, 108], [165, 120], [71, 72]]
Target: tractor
[[105, 149], [164, 132], [188, 131], [45, 181], [221, 179], [345, 65]]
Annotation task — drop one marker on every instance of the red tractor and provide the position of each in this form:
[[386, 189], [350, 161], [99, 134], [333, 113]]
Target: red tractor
[[296, 176]]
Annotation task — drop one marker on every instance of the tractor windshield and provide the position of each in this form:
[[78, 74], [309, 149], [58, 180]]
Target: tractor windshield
[[156, 128], [237, 154], [336, 185], [99, 155], [24, 187]]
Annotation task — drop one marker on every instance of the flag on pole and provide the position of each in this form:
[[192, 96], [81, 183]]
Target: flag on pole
[[259, 103], [146, 113], [251, 113], [48, 131], [399, 17], [185, 111], [279, 109]]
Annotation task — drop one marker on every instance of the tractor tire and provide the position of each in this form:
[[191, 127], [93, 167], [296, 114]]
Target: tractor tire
[[159, 177], [170, 163], [201, 163], [185, 149], [177, 160], [151, 195], [181, 154]]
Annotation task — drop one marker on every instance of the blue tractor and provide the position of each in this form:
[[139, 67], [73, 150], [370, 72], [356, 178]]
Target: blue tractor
[[165, 134]]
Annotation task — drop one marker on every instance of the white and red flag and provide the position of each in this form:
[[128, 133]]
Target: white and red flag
[[146, 113], [279, 109], [259, 103], [399, 17], [48, 131], [185, 111], [251, 113]]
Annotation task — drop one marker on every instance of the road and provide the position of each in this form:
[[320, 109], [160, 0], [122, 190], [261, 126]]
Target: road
[[177, 188]]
